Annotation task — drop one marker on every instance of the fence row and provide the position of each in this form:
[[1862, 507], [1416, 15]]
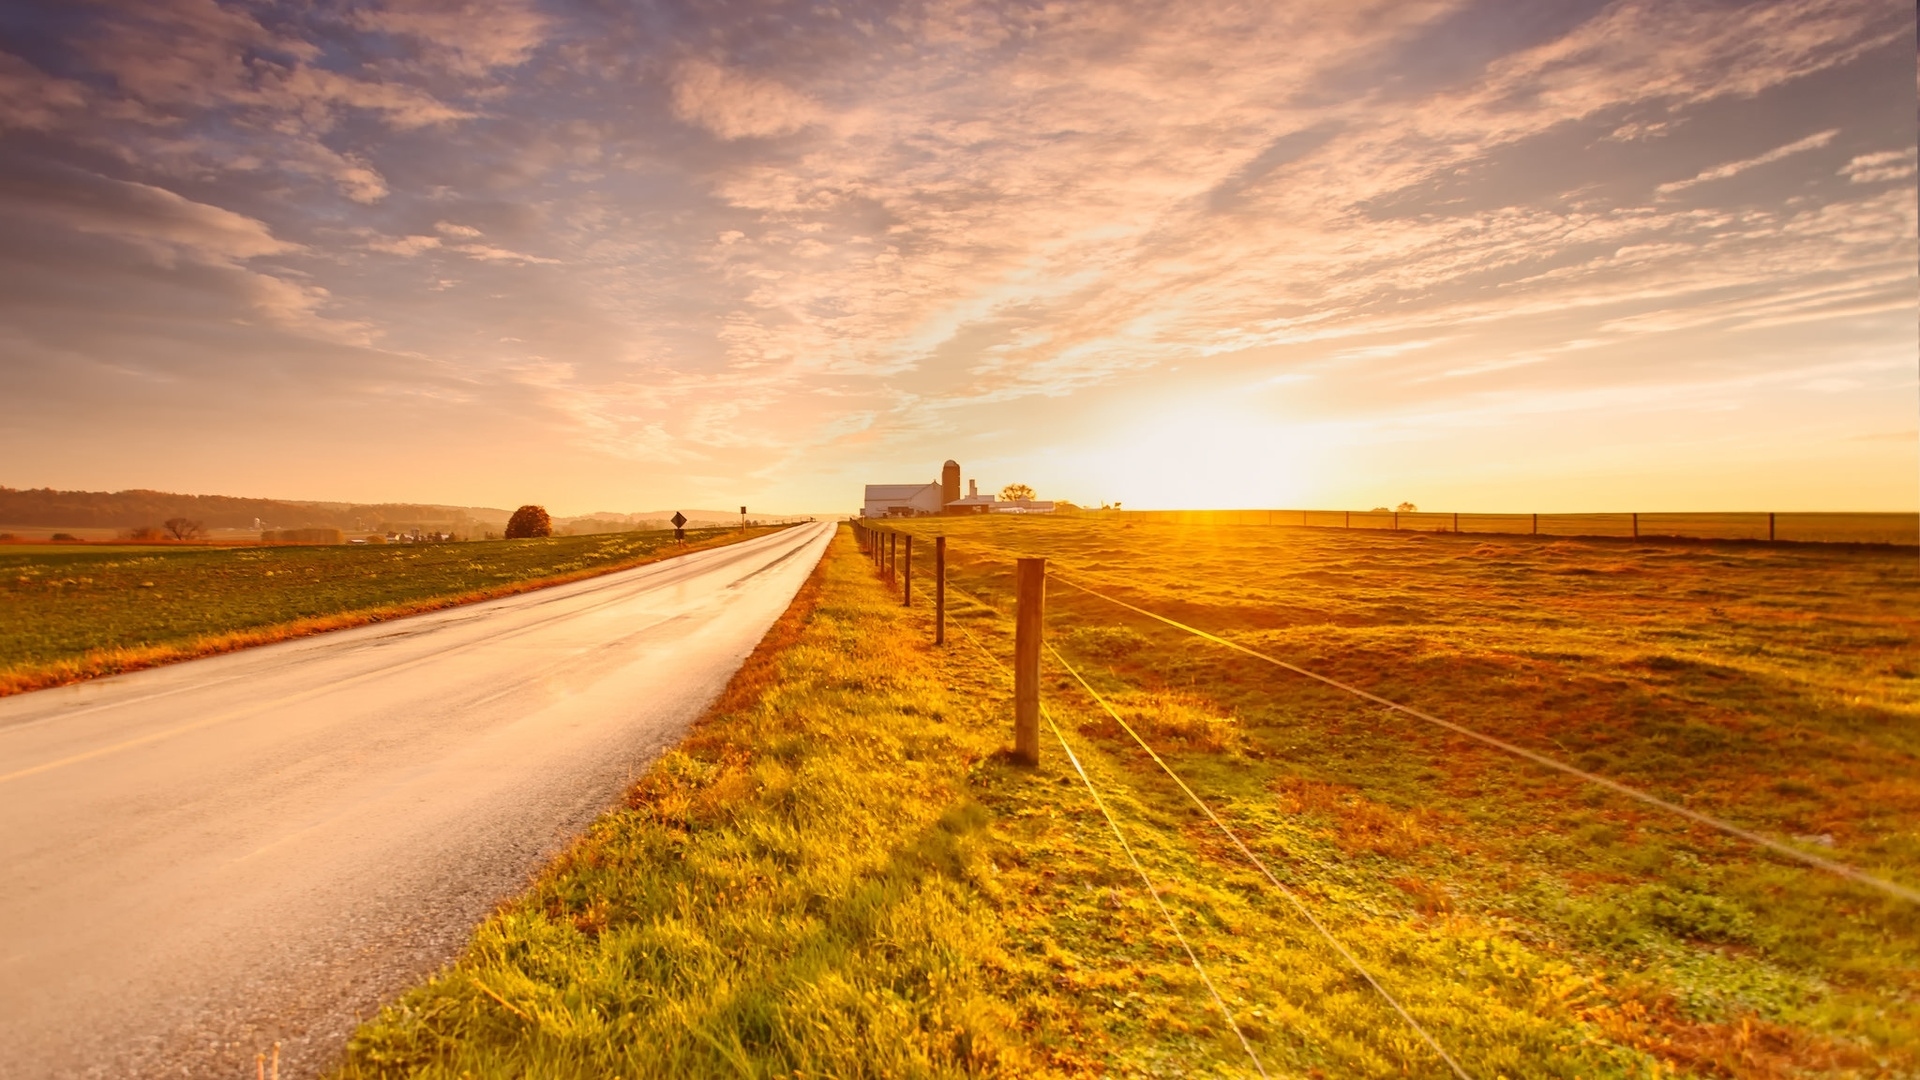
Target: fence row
[[1795, 526]]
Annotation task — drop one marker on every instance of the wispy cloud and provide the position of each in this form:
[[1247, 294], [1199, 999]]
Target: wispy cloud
[[1735, 168]]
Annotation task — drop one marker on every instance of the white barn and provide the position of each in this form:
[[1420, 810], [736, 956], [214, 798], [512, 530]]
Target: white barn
[[901, 500]]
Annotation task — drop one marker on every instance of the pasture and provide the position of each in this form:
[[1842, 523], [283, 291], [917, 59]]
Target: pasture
[[840, 873], [1774, 686], [75, 611]]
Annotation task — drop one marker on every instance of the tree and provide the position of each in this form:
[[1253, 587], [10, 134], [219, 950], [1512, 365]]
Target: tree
[[529, 521], [1013, 492], [1407, 508], [181, 529]]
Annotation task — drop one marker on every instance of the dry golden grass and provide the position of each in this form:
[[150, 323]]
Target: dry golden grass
[[1773, 686]]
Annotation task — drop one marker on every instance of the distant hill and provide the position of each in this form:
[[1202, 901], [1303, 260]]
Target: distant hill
[[48, 508]]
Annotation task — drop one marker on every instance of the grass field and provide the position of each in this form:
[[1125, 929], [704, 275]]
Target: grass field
[[837, 875], [75, 611]]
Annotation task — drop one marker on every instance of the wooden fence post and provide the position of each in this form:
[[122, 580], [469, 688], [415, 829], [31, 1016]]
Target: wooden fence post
[[1536, 524], [1636, 526], [906, 575], [939, 590], [1030, 579], [1456, 521], [893, 555], [1769, 526]]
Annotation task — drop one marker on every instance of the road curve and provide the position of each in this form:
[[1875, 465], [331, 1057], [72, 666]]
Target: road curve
[[204, 859]]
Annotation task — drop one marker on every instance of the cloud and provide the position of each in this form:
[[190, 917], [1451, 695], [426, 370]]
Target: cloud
[[154, 218], [735, 105], [33, 100], [490, 253], [1734, 168], [197, 85], [862, 240], [1880, 167], [404, 245], [466, 38]]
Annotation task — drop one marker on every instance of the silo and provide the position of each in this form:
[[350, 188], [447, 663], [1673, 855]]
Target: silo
[[949, 483]]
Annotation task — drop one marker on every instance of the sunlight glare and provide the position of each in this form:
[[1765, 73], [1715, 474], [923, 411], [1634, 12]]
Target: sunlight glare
[[1218, 455]]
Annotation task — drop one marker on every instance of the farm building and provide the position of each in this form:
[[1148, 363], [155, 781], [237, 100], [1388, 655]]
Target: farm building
[[976, 503], [916, 500], [901, 500]]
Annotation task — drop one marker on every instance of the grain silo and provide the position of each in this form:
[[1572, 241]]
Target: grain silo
[[949, 483]]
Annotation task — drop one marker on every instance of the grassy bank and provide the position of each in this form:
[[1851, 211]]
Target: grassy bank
[[838, 875], [69, 613]]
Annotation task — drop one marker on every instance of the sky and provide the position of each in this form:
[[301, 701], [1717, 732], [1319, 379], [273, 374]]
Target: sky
[[1551, 255]]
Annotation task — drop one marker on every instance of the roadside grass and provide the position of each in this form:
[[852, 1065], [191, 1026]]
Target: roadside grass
[[838, 874], [1772, 686], [72, 613]]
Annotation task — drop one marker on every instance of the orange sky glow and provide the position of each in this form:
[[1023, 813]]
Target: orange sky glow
[[1557, 255]]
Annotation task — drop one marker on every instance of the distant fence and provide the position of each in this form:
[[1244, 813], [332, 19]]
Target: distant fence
[[1799, 527]]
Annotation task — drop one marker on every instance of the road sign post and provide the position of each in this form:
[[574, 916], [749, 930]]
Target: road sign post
[[679, 525]]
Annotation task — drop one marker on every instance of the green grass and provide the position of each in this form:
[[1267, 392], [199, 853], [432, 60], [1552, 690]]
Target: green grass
[[838, 874], [70, 612]]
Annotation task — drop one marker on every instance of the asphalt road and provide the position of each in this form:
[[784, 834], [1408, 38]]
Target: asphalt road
[[204, 859]]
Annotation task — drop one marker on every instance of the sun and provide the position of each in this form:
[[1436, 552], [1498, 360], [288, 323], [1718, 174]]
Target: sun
[[1215, 454]]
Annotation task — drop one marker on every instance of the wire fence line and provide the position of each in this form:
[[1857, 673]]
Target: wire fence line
[[1799, 527], [1153, 891], [1292, 898], [887, 554], [1778, 847], [886, 557]]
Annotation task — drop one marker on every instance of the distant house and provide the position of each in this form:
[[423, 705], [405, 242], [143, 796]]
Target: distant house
[[976, 503], [901, 500]]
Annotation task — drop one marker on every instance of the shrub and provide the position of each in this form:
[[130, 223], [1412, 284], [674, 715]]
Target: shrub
[[529, 521], [63, 536]]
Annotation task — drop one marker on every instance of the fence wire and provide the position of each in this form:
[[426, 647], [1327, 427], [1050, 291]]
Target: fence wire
[[1805, 858], [1152, 890], [1831, 866], [1292, 897]]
